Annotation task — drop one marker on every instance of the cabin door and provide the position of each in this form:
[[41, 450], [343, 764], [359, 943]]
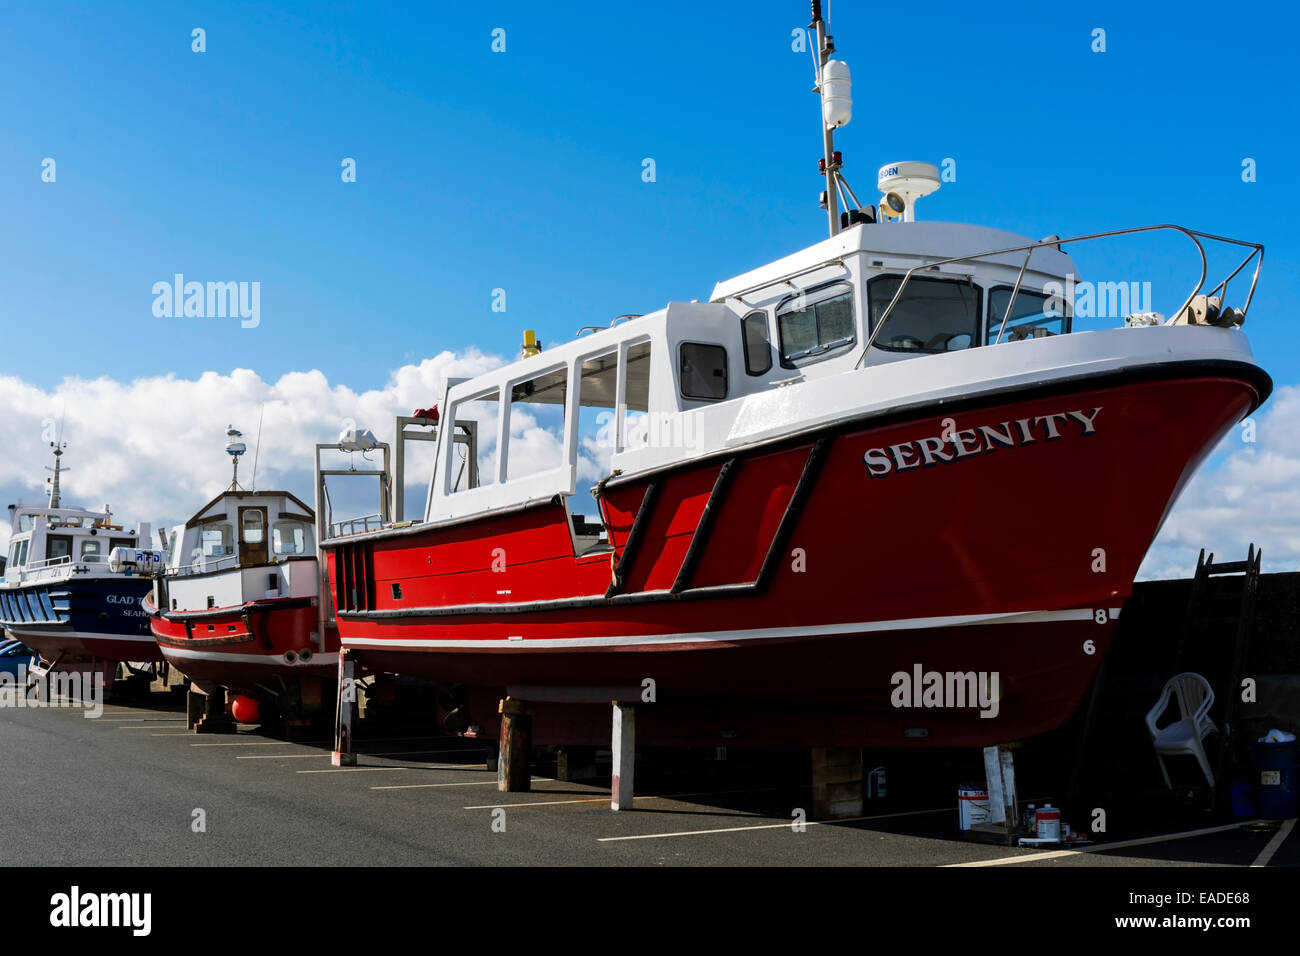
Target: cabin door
[[252, 536]]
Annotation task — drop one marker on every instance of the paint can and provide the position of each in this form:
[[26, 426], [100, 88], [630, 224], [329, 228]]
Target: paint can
[[972, 805], [1049, 822]]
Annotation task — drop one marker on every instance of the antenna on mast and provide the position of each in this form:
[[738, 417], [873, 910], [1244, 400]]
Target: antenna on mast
[[58, 445], [837, 109], [257, 447], [234, 448]]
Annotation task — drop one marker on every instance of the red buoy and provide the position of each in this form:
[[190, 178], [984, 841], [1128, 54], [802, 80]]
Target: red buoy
[[244, 710]]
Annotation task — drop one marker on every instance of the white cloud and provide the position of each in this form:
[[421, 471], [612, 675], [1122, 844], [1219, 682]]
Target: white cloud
[[1249, 493], [153, 448]]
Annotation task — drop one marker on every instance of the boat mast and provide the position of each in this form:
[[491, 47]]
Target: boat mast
[[234, 448], [54, 481], [830, 167]]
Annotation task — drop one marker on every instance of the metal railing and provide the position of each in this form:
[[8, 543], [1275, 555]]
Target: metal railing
[[339, 529], [54, 568], [1256, 249], [202, 564], [52, 562]]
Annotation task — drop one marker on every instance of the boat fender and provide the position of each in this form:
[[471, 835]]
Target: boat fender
[[245, 710]]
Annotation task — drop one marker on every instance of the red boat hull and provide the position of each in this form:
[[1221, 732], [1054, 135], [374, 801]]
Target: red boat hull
[[819, 573], [242, 647]]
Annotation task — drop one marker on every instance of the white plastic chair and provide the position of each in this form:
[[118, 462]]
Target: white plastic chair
[[1186, 735]]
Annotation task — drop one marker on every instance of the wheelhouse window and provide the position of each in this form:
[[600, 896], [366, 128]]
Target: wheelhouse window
[[90, 550], [932, 315], [597, 385], [288, 537], [758, 350], [474, 465], [216, 540], [58, 546], [1034, 315], [253, 531], [536, 440], [815, 323], [703, 371], [634, 427]]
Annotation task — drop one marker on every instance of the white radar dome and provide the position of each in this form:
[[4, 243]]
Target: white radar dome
[[903, 184]]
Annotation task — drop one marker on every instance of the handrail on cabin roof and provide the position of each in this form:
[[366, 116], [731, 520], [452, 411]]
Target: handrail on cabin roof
[[1256, 249]]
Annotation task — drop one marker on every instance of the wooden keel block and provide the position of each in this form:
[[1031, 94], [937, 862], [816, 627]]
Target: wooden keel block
[[837, 782], [194, 704], [575, 763], [514, 770], [215, 719], [512, 706]]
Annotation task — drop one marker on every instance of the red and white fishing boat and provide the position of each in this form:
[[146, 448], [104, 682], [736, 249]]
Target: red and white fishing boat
[[235, 609], [888, 453]]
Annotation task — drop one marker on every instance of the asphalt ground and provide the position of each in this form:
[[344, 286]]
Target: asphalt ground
[[132, 788]]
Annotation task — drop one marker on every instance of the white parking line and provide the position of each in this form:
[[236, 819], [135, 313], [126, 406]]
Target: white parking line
[[326, 756], [1274, 844], [767, 826], [666, 796], [543, 803], [355, 770], [1102, 847], [430, 786], [258, 743]]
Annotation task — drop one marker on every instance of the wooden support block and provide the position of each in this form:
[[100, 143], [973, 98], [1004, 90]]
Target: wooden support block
[[512, 706], [345, 712], [837, 782], [575, 763], [514, 770], [623, 748], [194, 704], [215, 719]]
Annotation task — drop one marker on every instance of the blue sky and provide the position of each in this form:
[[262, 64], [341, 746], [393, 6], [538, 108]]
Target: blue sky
[[522, 171]]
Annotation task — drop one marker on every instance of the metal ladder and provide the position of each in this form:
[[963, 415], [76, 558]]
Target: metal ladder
[[1210, 609]]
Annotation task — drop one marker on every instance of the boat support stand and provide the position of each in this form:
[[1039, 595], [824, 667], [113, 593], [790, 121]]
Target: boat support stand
[[516, 735]]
